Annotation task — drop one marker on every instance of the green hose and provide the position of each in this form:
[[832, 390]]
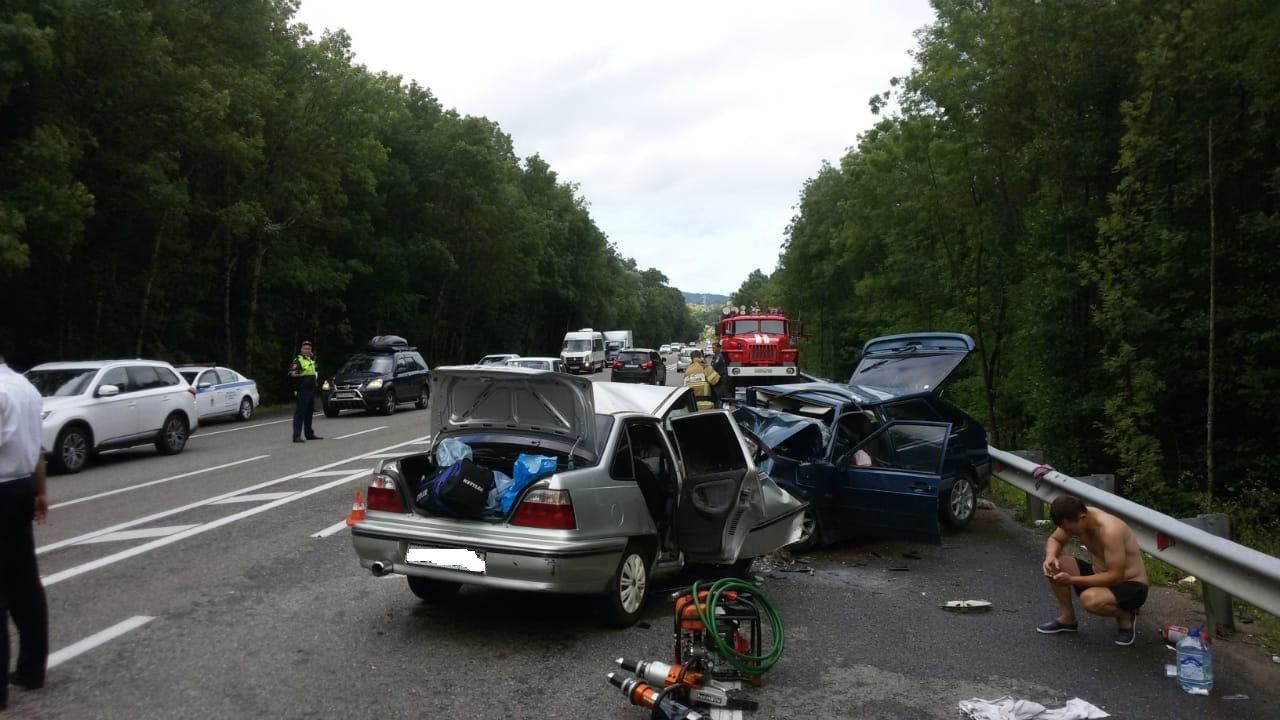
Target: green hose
[[744, 662]]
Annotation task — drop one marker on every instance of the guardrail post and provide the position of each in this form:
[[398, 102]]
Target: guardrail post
[[1102, 482], [1035, 506], [1217, 603]]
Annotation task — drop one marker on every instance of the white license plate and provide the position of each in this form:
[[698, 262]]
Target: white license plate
[[632, 365], [451, 558]]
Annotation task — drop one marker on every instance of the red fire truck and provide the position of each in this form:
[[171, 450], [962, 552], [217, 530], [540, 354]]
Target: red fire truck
[[760, 348]]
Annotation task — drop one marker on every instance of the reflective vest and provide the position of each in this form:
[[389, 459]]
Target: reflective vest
[[306, 365], [701, 377]]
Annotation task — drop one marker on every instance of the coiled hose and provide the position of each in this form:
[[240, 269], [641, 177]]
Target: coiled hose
[[744, 662]]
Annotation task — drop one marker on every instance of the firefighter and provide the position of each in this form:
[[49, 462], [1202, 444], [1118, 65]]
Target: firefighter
[[702, 378]]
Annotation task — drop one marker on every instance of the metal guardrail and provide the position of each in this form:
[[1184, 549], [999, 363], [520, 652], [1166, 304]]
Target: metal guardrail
[[1240, 571]]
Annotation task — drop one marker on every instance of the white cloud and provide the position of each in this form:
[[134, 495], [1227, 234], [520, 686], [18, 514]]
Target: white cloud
[[689, 127]]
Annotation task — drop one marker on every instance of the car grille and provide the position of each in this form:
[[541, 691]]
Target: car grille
[[764, 353]]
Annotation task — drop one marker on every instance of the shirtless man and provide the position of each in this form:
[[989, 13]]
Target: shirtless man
[[1116, 587]]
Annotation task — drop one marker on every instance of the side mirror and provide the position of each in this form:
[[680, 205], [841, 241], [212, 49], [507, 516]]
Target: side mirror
[[204, 384], [107, 391]]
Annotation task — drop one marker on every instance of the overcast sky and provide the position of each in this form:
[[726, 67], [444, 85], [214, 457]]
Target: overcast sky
[[689, 127]]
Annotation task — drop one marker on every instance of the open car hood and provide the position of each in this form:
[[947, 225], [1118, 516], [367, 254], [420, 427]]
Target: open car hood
[[896, 365], [507, 398]]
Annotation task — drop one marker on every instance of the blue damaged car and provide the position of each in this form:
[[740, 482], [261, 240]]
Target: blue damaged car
[[882, 455]]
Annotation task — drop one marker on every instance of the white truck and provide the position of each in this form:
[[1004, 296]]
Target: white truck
[[583, 351], [616, 340]]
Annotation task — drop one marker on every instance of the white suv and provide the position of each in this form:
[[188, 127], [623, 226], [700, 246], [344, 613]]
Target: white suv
[[103, 404]]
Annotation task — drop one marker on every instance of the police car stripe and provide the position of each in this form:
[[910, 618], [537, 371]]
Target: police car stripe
[[211, 388]]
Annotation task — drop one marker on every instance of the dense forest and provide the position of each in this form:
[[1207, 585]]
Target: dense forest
[[209, 181], [1092, 191]]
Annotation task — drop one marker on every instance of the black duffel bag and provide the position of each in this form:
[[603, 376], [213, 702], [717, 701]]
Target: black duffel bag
[[460, 490]]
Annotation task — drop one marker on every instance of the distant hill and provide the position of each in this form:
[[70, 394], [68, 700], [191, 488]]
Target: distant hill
[[705, 298]]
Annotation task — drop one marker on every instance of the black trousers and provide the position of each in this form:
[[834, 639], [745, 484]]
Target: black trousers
[[302, 412], [21, 593]]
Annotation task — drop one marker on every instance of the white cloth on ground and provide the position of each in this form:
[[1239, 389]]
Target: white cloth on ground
[[1007, 708]]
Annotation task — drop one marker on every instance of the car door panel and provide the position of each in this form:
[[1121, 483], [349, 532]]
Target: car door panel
[[113, 418], [711, 498], [889, 486], [208, 402], [151, 397]]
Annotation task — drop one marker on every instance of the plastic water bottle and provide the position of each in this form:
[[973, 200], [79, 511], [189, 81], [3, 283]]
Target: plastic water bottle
[[1195, 663]]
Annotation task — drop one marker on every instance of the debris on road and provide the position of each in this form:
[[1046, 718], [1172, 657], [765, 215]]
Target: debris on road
[[966, 606], [912, 555], [898, 568], [985, 504], [1007, 708], [1235, 696]]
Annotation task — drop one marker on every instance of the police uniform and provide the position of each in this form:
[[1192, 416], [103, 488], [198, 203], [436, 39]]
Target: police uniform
[[305, 378], [21, 593]]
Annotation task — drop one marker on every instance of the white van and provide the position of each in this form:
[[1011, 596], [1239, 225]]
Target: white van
[[583, 351]]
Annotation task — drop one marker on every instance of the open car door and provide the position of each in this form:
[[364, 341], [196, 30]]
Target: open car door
[[714, 494], [888, 485]]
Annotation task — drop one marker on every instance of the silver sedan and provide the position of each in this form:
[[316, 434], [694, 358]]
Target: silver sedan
[[643, 484]]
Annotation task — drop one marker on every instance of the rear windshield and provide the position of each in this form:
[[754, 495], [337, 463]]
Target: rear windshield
[[633, 357], [61, 383], [534, 364], [380, 364]]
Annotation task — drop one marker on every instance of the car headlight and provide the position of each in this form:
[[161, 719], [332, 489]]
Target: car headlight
[[374, 384]]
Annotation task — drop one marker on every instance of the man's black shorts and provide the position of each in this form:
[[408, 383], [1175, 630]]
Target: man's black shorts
[[1130, 595]]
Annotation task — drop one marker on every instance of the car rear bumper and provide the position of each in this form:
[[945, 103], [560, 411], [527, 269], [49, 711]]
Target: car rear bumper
[[572, 567], [632, 377]]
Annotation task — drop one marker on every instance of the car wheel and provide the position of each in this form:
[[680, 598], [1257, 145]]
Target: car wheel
[[624, 601], [423, 397], [810, 533], [173, 435], [331, 412], [71, 450], [246, 409], [433, 591], [389, 403], [961, 502]]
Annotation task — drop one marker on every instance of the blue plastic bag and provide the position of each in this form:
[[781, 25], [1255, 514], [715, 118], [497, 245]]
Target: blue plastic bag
[[528, 468], [450, 451], [501, 481]]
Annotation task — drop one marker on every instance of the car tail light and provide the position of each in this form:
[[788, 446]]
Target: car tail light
[[383, 494], [617, 363], [550, 509], [647, 364]]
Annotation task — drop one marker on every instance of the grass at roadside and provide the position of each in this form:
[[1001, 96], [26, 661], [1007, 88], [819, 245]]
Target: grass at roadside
[[1264, 626]]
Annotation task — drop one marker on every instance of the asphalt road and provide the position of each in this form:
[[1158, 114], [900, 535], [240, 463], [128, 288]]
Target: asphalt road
[[219, 583]]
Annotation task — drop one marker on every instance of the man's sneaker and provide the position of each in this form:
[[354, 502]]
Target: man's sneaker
[[1126, 636], [1053, 626]]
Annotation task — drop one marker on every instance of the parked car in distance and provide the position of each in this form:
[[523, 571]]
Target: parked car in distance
[[639, 365], [496, 359], [379, 379], [550, 364], [885, 433], [641, 486], [107, 404], [683, 359], [221, 391]]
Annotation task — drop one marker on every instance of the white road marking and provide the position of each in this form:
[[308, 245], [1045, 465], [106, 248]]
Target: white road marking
[[238, 429], [206, 501], [335, 473], [96, 639], [332, 529], [420, 442], [344, 437], [138, 534], [155, 482], [260, 497], [199, 529], [383, 456]]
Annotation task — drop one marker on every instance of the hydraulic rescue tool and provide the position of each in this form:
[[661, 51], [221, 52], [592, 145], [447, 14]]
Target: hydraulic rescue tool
[[660, 702], [701, 689]]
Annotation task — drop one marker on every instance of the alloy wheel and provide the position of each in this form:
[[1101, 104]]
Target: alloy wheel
[[175, 434], [74, 450]]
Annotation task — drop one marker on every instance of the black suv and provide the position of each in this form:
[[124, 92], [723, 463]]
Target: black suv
[[639, 365], [387, 374]]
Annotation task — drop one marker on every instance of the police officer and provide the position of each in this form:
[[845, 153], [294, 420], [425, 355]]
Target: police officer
[[303, 372], [23, 499]]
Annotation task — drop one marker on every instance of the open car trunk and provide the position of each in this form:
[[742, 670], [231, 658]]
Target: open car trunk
[[487, 457]]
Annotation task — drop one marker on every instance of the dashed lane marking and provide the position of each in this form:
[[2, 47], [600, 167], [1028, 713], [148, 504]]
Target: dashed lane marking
[[138, 534], [350, 435], [336, 473], [331, 530], [155, 482], [259, 497], [199, 529], [83, 646]]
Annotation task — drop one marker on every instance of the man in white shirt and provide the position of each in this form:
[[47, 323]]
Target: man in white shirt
[[23, 499]]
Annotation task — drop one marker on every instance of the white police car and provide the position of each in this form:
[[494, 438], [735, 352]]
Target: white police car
[[221, 391]]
